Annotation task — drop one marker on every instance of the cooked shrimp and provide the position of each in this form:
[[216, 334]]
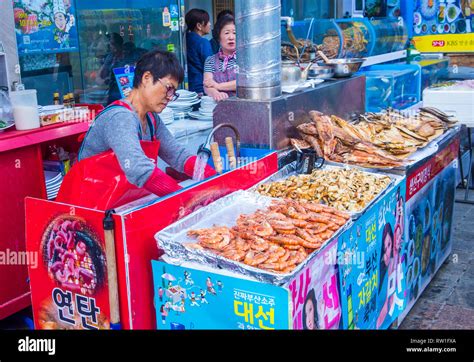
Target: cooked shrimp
[[275, 252], [236, 254], [282, 226], [259, 244], [263, 229], [284, 240], [253, 259]]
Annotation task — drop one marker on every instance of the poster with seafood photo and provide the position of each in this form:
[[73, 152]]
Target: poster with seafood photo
[[69, 288], [188, 298], [370, 264], [315, 292], [428, 229], [441, 25]]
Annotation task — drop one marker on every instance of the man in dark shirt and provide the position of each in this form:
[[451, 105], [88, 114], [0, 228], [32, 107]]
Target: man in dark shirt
[[198, 48]]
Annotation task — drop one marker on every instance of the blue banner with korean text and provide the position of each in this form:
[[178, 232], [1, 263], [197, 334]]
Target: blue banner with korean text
[[187, 298], [370, 259]]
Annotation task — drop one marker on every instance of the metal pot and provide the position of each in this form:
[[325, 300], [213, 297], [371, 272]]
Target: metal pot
[[290, 73], [321, 72], [344, 67]]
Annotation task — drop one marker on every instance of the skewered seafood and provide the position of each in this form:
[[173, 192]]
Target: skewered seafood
[[277, 238], [342, 189]]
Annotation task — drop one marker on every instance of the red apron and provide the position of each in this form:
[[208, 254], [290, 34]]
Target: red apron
[[98, 182]]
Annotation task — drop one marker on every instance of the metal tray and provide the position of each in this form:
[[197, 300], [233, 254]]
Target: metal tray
[[224, 212], [290, 170]]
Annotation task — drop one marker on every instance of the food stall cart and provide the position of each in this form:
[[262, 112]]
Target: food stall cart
[[74, 268]]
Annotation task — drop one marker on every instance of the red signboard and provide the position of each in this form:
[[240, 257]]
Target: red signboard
[[69, 284], [425, 173]]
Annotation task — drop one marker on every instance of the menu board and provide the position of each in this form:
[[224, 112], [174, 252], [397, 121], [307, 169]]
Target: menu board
[[432, 17], [45, 26]]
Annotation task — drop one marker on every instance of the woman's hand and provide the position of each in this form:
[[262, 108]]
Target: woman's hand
[[211, 83], [219, 96]]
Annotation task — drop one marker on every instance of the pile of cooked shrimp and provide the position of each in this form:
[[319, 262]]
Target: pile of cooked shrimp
[[277, 238]]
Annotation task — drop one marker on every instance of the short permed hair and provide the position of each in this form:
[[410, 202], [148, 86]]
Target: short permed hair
[[160, 64], [194, 17], [220, 24]]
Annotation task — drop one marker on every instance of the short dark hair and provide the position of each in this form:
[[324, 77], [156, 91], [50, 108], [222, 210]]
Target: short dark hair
[[223, 13], [220, 24], [195, 17], [160, 64]]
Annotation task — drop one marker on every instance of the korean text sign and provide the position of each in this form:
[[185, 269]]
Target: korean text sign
[[69, 286], [187, 298]]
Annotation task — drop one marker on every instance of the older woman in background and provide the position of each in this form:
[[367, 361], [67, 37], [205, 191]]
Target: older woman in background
[[219, 69]]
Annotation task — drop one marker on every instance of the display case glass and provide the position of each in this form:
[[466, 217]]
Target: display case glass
[[358, 37], [392, 85], [390, 35]]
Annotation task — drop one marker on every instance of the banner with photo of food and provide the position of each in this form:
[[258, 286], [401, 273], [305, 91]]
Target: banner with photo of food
[[45, 26], [441, 26], [69, 286]]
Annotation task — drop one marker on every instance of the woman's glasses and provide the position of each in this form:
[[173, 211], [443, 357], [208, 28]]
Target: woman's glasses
[[170, 91]]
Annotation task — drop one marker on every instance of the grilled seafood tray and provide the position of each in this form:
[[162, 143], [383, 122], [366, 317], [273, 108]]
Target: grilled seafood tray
[[178, 241], [289, 171]]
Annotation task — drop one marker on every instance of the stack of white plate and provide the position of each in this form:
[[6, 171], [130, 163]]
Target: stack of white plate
[[184, 103], [53, 183], [167, 115], [206, 110]]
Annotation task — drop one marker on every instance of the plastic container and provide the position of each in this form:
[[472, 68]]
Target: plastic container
[[25, 109], [432, 70], [392, 85], [360, 37], [391, 35]]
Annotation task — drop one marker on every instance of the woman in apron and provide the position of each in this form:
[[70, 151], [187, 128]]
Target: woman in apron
[[117, 159], [219, 69]]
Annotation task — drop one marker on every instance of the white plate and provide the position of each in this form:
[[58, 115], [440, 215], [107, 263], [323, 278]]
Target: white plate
[[9, 125], [175, 105], [184, 92], [455, 9], [208, 99], [199, 116]]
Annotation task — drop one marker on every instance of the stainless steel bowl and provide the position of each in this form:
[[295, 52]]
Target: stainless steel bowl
[[344, 67], [321, 72]]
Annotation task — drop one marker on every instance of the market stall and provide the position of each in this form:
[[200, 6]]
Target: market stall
[[366, 275]]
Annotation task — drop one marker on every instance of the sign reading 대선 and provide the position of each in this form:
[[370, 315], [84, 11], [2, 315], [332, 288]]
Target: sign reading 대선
[[45, 26]]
